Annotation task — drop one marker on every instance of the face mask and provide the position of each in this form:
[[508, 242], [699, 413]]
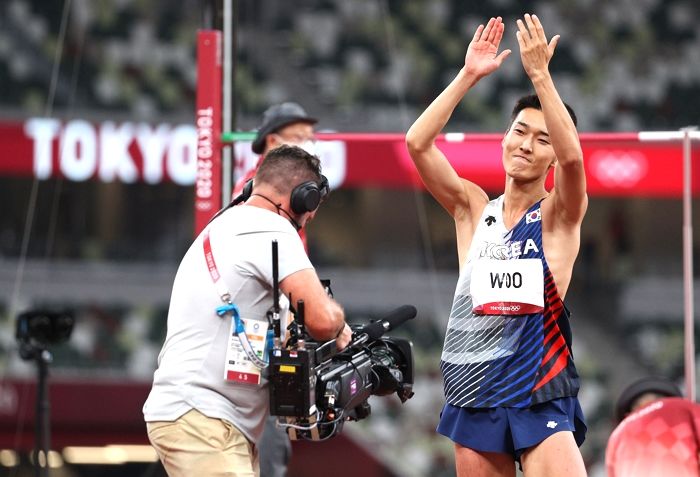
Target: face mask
[[309, 146]]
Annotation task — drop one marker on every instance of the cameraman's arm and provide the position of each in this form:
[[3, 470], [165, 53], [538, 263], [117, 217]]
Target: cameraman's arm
[[324, 318]]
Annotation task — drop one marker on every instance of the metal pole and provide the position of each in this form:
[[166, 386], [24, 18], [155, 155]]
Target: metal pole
[[689, 318], [686, 135], [43, 416], [227, 124], [208, 122]]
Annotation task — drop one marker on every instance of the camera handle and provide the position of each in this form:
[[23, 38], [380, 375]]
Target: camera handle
[[275, 317], [299, 319]]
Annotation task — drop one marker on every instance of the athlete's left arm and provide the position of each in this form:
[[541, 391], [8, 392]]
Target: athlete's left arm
[[569, 194]]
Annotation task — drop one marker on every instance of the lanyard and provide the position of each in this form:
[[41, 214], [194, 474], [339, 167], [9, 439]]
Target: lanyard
[[228, 307], [214, 271]]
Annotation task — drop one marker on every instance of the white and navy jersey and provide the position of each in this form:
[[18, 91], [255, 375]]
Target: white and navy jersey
[[513, 351]]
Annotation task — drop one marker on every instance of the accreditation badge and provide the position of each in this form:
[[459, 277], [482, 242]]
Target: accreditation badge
[[507, 287], [238, 367]]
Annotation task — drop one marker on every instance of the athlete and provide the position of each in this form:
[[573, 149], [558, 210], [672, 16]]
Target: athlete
[[509, 378]]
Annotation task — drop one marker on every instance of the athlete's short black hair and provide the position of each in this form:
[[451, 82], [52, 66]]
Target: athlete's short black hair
[[533, 101]]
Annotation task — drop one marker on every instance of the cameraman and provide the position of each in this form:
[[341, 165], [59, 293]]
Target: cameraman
[[282, 124], [199, 421]]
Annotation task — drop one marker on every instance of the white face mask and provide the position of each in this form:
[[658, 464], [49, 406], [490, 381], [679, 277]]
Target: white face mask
[[309, 146]]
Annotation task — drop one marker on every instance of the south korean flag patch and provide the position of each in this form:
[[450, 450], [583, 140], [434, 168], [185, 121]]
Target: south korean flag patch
[[534, 216]]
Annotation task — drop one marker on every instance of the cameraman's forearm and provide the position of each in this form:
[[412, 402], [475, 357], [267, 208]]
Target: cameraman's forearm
[[327, 321]]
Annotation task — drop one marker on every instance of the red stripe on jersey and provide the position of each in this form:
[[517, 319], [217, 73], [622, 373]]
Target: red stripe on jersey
[[556, 346], [559, 365], [549, 336], [553, 342]]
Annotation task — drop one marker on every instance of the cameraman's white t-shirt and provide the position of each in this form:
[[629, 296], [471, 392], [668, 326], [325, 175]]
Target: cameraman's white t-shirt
[[191, 364]]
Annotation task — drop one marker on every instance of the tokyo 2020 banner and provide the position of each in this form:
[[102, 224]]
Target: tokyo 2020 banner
[[617, 164]]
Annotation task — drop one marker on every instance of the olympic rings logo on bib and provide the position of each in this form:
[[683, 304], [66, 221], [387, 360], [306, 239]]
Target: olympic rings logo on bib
[[507, 308]]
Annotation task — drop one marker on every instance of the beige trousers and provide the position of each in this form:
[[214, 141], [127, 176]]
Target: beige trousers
[[195, 444]]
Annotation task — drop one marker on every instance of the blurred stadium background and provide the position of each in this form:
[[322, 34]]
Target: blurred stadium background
[[107, 249]]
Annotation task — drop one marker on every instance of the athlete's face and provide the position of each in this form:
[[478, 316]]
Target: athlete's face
[[527, 149]]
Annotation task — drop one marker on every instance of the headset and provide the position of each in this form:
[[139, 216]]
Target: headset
[[306, 197]]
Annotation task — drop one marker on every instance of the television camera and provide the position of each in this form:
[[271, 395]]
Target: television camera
[[37, 329], [314, 387]]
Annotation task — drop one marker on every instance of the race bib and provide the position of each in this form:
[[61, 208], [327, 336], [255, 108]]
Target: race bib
[[507, 287], [238, 367]]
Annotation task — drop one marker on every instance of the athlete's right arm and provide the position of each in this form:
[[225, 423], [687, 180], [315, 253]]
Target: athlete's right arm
[[437, 173], [439, 177]]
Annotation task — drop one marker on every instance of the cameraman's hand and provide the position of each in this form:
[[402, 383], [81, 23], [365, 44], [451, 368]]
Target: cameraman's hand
[[344, 338]]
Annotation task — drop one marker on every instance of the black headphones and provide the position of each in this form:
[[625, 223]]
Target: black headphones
[[306, 197]]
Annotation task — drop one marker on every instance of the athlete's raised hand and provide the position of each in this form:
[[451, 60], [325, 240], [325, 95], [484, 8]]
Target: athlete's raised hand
[[482, 56], [535, 52]]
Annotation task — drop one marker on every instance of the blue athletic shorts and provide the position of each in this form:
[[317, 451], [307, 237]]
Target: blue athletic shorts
[[511, 430]]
